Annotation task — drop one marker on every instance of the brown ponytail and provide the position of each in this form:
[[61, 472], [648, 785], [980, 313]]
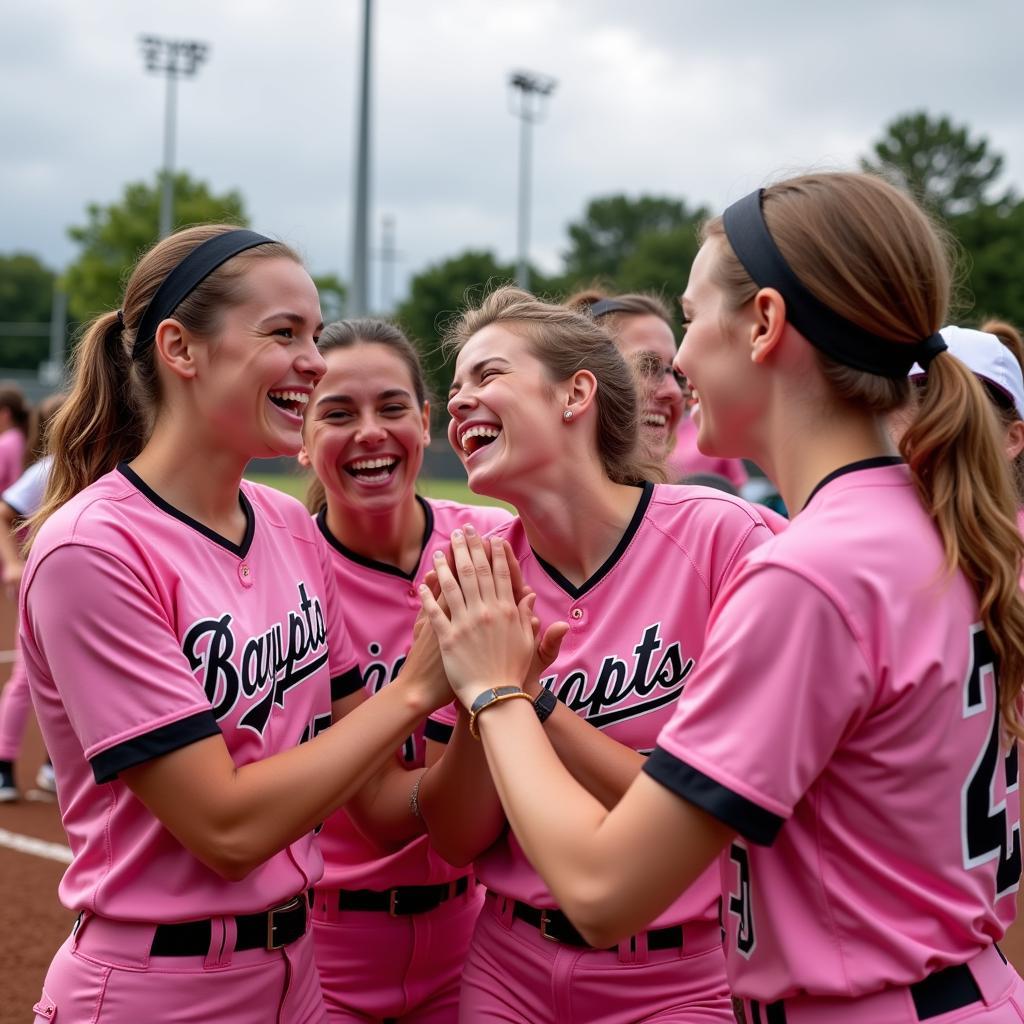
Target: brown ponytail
[[113, 399], [871, 254], [1011, 339]]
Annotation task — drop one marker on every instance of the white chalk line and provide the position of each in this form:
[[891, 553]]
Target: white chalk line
[[35, 847]]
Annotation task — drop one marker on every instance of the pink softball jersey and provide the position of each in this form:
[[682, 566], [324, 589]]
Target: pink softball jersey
[[844, 721], [12, 454], [144, 631], [687, 458], [382, 603], [636, 632]]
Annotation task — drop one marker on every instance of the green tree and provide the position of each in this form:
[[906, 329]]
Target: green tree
[[660, 262], [437, 295], [992, 266], [611, 229], [333, 293], [26, 297], [117, 234], [939, 163], [957, 177]]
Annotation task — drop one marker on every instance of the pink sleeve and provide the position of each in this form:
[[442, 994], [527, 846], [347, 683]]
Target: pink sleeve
[[441, 723], [781, 681], [751, 540], [114, 659], [346, 678], [773, 520]]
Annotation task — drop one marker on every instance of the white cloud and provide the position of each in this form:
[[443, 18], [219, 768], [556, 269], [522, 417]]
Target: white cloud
[[673, 97]]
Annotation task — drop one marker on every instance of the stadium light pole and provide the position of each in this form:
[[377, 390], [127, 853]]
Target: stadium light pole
[[358, 302], [529, 90], [172, 58]]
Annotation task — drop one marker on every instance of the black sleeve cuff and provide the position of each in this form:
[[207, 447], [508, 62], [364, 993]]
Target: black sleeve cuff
[[438, 731], [346, 684], [107, 765], [751, 821]]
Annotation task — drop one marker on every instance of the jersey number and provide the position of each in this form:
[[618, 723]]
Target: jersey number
[[740, 902], [984, 821]]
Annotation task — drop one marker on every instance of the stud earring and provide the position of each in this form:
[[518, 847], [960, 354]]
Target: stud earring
[[567, 415]]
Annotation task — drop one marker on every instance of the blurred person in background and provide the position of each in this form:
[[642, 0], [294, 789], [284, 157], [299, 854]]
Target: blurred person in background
[[18, 503], [642, 328], [14, 425]]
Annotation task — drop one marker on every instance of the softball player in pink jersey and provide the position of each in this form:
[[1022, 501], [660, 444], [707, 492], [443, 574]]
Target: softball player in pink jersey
[[391, 920], [843, 742], [544, 415], [641, 328], [184, 643], [17, 503], [14, 421]]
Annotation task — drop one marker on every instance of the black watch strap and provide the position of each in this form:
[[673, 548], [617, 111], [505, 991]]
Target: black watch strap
[[544, 703]]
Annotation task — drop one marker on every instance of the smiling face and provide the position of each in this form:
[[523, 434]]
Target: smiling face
[[255, 374], [717, 364], [365, 430], [506, 413], [649, 346]]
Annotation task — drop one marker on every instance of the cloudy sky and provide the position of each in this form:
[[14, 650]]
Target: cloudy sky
[[702, 99]]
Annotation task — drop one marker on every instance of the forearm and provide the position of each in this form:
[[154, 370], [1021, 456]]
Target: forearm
[[603, 766], [382, 809], [611, 871], [458, 801], [235, 818]]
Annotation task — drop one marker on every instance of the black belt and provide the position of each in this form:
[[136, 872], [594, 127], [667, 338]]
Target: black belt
[[271, 929], [406, 899], [554, 925], [951, 988]]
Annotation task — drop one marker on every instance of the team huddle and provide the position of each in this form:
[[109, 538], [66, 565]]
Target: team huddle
[[636, 750]]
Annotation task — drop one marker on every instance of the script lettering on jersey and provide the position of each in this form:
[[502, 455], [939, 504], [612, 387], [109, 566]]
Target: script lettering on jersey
[[622, 692], [376, 675], [267, 666]]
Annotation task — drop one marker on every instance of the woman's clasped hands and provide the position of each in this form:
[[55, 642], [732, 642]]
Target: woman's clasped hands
[[482, 618]]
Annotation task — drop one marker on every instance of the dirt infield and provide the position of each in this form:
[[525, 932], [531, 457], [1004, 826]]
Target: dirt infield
[[32, 922]]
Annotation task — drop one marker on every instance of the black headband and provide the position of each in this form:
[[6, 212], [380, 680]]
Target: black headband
[[605, 306], [202, 261], [824, 328]]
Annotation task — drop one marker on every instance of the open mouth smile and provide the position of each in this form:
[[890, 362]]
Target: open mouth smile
[[377, 470], [289, 400], [478, 436]]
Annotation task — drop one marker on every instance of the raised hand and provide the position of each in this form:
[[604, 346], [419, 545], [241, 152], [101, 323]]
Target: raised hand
[[423, 666], [486, 638]]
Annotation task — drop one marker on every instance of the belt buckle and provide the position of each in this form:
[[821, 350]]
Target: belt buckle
[[393, 902], [544, 922], [292, 904]]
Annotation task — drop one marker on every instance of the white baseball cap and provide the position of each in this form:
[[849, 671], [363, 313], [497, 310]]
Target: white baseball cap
[[986, 357]]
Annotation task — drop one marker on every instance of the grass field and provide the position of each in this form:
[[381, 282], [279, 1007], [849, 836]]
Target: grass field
[[450, 490]]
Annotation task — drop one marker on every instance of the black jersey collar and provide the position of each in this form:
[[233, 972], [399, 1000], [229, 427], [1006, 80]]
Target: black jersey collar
[[610, 563], [854, 467], [241, 550], [371, 563]]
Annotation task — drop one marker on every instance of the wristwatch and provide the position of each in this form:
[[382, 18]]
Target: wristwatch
[[544, 703], [495, 695]]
